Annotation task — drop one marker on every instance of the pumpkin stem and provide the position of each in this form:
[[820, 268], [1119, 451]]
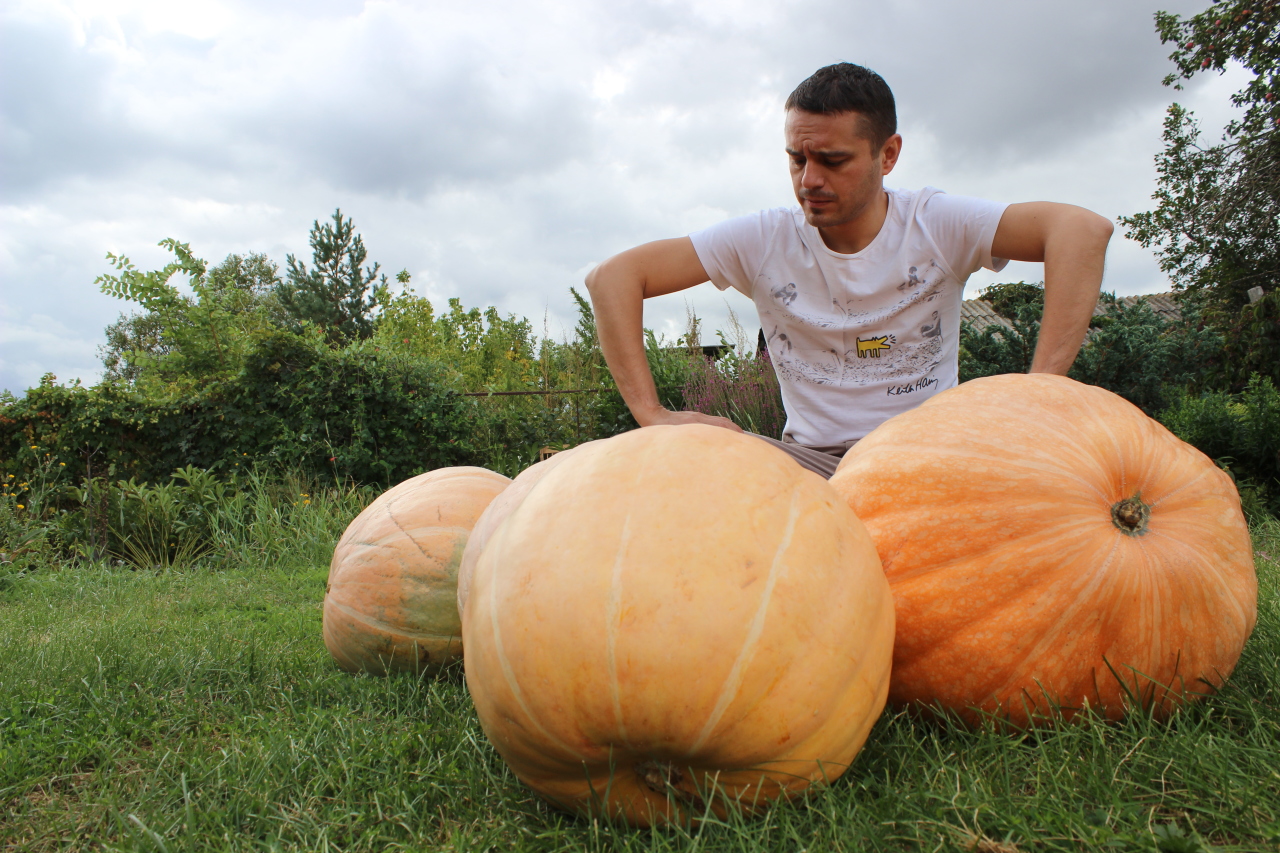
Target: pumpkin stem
[[664, 778], [1130, 516]]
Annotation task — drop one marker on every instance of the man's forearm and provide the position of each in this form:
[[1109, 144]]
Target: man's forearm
[[1074, 255], [618, 289], [617, 299]]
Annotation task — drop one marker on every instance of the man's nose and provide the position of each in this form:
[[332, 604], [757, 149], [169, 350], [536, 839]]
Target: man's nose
[[811, 177]]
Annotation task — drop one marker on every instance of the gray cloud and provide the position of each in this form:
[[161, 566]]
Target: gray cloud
[[56, 116], [498, 153]]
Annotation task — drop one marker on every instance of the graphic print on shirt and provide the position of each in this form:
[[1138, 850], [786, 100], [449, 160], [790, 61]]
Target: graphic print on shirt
[[872, 347], [878, 354]]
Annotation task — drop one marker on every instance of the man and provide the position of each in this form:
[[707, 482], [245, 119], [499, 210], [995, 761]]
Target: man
[[859, 289]]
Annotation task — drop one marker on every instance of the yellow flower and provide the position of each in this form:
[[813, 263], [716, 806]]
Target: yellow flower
[[306, 502], [20, 506]]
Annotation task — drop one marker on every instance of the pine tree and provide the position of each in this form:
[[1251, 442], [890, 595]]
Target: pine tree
[[334, 296]]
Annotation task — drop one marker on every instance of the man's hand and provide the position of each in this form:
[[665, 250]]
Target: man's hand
[[1072, 244], [667, 417], [618, 288]]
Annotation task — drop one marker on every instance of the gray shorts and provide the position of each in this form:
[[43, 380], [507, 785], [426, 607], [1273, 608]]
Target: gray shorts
[[820, 460]]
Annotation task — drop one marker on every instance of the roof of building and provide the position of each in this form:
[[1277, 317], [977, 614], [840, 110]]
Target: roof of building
[[979, 314]]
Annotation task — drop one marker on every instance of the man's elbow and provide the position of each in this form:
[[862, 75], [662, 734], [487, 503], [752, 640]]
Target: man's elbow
[[1096, 229], [598, 278]]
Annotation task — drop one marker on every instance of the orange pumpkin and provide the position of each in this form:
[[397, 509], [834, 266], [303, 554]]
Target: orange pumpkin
[[1049, 546], [390, 603], [497, 513], [675, 621]]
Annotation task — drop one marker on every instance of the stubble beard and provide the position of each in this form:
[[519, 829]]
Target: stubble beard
[[837, 215], [843, 214]]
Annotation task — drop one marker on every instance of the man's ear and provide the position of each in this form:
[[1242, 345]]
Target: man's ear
[[889, 153]]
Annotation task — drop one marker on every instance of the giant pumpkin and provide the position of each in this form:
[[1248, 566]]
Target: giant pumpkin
[[677, 621], [1049, 547], [497, 513], [390, 602]]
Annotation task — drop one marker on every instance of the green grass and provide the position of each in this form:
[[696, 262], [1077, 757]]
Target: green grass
[[197, 708]]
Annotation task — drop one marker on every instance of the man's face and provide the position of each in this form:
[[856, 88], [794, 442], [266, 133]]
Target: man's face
[[836, 171]]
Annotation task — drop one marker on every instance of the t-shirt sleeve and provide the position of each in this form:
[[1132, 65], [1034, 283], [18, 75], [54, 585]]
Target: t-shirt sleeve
[[731, 251], [963, 227]]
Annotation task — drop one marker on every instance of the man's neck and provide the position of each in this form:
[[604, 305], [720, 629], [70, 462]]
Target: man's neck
[[855, 235]]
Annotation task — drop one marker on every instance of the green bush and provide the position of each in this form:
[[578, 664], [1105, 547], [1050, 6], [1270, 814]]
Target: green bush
[[1131, 350], [1143, 357], [352, 414], [1242, 433], [997, 349], [148, 526]]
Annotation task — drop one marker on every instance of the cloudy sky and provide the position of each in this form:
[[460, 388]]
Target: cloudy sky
[[497, 150]]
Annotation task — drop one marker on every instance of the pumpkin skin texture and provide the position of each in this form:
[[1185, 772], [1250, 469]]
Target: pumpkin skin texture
[[495, 514], [390, 602], [676, 621], [1049, 547]]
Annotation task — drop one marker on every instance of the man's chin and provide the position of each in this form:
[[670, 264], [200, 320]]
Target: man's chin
[[823, 217]]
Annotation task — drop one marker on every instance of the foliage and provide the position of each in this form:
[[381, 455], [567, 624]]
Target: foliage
[[28, 508], [241, 287], [180, 341], [1143, 357], [131, 339], [481, 349], [356, 413], [148, 526], [1130, 349], [997, 349], [335, 295], [1216, 225], [1242, 433], [485, 352], [743, 389], [1250, 341]]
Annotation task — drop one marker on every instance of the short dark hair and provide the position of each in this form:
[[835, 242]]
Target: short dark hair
[[848, 88]]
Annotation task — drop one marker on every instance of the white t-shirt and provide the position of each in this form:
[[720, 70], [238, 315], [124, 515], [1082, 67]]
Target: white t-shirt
[[856, 339]]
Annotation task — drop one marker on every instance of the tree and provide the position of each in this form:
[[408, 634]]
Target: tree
[[180, 338], [482, 349], [1216, 225], [334, 296]]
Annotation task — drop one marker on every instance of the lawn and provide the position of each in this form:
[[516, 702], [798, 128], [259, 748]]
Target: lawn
[[196, 708]]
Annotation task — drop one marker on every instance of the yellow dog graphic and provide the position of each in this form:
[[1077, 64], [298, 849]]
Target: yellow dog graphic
[[874, 346]]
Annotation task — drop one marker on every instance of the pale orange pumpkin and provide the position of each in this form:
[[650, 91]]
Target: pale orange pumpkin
[[1049, 547], [677, 621], [390, 604], [497, 513]]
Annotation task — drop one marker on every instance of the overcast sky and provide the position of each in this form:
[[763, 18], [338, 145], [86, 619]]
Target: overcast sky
[[497, 150]]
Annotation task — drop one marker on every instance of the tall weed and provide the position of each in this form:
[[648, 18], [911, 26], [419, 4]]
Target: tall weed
[[744, 390]]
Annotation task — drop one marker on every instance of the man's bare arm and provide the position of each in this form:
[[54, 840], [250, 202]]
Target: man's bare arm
[[1072, 244], [618, 288]]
